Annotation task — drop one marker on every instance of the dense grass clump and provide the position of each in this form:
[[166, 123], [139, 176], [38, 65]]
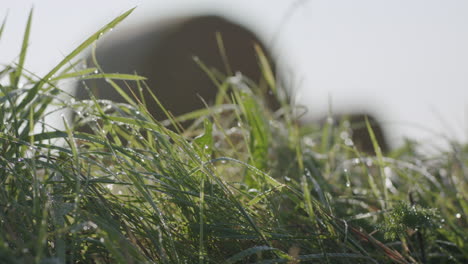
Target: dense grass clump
[[243, 184]]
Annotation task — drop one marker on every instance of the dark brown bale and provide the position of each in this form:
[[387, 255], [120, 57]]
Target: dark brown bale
[[165, 56]]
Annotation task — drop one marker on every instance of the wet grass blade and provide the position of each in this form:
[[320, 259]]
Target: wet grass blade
[[266, 69], [380, 161], [74, 74], [115, 76]]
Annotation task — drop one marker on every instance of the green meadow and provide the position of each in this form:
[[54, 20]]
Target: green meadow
[[241, 184]]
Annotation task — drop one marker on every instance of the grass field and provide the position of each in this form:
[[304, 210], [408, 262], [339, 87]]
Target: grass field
[[243, 184]]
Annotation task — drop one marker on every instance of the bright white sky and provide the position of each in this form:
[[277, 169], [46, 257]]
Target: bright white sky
[[406, 60]]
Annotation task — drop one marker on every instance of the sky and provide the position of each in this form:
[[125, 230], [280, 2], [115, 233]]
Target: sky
[[404, 60]]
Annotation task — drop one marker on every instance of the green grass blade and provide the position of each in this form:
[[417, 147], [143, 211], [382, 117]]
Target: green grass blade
[[73, 74], [201, 247], [205, 140], [263, 195], [86, 75], [3, 26], [115, 76], [24, 48], [266, 69], [222, 53], [380, 162]]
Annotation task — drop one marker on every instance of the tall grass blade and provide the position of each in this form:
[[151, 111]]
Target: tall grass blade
[[266, 69], [381, 164], [24, 48], [3, 26]]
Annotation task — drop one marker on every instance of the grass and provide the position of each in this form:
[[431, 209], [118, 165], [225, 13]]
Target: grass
[[242, 185]]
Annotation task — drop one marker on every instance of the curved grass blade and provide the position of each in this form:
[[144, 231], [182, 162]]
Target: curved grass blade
[[378, 153], [266, 69], [115, 76], [74, 74]]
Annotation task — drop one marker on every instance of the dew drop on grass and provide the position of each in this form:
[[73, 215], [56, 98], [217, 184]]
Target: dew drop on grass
[[443, 172], [309, 142], [92, 224], [344, 135], [419, 163], [348, 182]]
